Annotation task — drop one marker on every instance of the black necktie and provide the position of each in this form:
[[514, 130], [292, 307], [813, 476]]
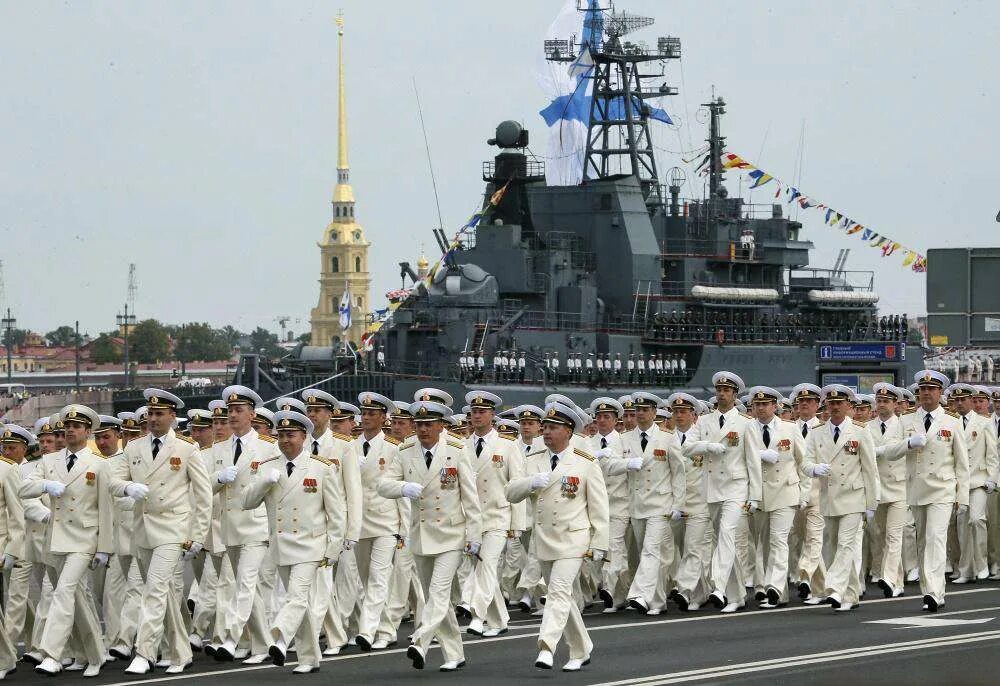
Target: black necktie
[[239, 450], [805, 429], [836, 434], [722, 420], [156, 447], [767, 437], [365, 447], [70, 461], [883, 428], [604, 442], [554, 461], [644, 442], [428, 456], [965, 421], [683, 438], [998, 429], [479, 446], [927, 422], [315, 447], [289, 466]]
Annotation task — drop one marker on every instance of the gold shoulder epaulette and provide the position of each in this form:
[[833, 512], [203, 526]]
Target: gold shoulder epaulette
[[535, 452], [270, 459], [320, 458], [861, 424], [910, 411], [952, 413], [584, 455], [788, 421], [456, 444], [268, 439], [393, 441], [182, 437], [819, 425], [456, 436], [406, 445], [342, 437], [506, 438], [745, 415], [8, 460]]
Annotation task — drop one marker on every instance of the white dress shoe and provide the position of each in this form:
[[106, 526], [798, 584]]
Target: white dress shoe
[[609, 610], [544, 659], [241, 654], [163, 663], [380, 644], [960, 580], [75, 666], [495, 631], [177, 669], [983, 574], [844, 607], [451, 665], [654, 612], [693, 606], [476, 627], [331, 651], [305, 669], [576, 665], [195, 641], [33, 657], [731, 608], [257, 659], [140, 665], [813, 600], [92, 670], [49, 666], [913, 575]]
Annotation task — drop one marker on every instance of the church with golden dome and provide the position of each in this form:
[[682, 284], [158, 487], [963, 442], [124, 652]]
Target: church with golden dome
[[343, 248]]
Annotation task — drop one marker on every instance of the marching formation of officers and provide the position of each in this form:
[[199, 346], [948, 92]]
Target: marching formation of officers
[[259, 532], [592, 369]]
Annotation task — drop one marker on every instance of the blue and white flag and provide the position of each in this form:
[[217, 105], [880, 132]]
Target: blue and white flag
[[570, 90], [345, 310]]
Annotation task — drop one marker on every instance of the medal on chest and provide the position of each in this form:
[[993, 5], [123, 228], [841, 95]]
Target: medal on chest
[[449, 478], [309, 485], [570, 485]]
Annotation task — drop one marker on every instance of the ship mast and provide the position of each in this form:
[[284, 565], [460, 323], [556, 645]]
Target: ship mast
[[716, 145]]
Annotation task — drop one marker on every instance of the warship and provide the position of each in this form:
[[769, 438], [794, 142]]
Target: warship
[[617, 282]]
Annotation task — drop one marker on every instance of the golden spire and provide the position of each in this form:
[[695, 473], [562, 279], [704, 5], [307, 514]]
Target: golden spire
[[343, 192]]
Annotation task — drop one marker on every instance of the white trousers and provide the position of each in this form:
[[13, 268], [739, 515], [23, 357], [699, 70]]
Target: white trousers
[[72, 609], [932, 541], [294, 619], [562, 614], [844, 539], [374, 558], [972, 535], [771, 531], [437, 574], [486, 599], [656, 542]]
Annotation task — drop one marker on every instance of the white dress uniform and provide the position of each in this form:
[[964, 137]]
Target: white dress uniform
[[496, 461], [80, 527], [444, 517], [29, 591], [123, 586], [570, 520], [731, 480], [693, 533], [175, 510], [783, 490], [306, 520], [847, 492], [530, 582], [11, 541], [657, 490], [811, 570], [937, 478], [244, 534], [981, 447], [890, 518], [614, 575]]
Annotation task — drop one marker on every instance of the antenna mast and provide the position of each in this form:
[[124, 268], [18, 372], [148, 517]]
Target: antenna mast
[[427, 147]]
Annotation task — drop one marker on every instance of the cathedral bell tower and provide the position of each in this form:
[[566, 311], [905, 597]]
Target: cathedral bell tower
[[343, 249]]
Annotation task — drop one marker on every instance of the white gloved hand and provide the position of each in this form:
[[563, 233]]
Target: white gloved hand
[[634, 464], [716, 448], [137, 491], [40, 514], [602, 454], [332, 561], [803, 504], [880, 451], [539, 480], [769, 456], [193, 550], [917, 441], [227, 475], [100, 560], [962, 509], [54, 488], [869, 516], [821, 469], [273, 476], [472, 547], [412, 490], [676, 515], [349, 544], [597, 555], [991, 485], [752, 506], [8, 562]]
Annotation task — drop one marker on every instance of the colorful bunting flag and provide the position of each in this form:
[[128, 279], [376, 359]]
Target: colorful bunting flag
[[759, 178]]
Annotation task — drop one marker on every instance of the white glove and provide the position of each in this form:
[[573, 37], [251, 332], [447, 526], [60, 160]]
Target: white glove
[[273, 476], [412, 490], [137, 491], [869, 516], [602, 454], [752, 506], [769, 456], [41, 514], [804, 504], [991, 485], [193, 550], [100, 560], [472, 548], [880, 451], [227, 475], [716, 448], [539, 480], [676, 515], [917, 441], [821, 469], [634, 464], [962, 509], [597, 555], [8, 562], [332, 561], [349, 544], [54, 488]]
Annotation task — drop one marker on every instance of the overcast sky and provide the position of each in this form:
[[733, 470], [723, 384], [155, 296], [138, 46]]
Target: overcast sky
[[198, 139]]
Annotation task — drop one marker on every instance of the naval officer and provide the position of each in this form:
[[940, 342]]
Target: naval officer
[[890, 517], [570, 525]]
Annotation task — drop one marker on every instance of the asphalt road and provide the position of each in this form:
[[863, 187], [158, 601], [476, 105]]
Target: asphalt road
[[881, 642]]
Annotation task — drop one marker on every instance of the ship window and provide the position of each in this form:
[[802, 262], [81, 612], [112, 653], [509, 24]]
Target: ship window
[[357, 264], [335, 264]]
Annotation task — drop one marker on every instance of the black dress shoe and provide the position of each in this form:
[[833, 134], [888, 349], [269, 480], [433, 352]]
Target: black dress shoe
[[222, 654], [606, 597], [277, 657], [759, 596], [804, 589], [462, 613], [190, 604], [363, 643], [717, 601], [834, 603], [932, 605], [523, 606], [682, 601], [415, 656], [886, 588], [30, 659], [773, 596], [638, 605]]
